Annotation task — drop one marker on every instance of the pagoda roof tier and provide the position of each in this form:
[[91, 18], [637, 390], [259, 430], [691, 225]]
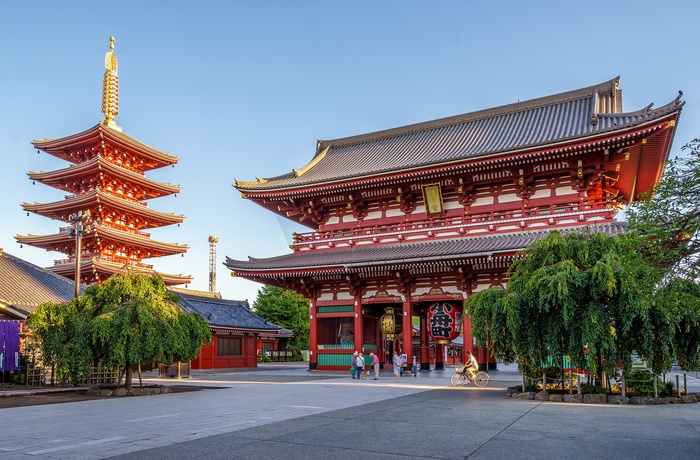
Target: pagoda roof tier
[[104, 269], [100, 238], [395, 256], [101, 204], [573, 121], [111, 143], [100, 173]]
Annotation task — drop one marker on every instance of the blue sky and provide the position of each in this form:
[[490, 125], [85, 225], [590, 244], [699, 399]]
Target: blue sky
[[243, 89]]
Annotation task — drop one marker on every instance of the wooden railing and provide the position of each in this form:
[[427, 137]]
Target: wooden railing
[[116, 227], [470, 221]]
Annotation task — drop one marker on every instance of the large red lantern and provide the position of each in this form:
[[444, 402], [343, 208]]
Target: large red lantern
[[444, 322]]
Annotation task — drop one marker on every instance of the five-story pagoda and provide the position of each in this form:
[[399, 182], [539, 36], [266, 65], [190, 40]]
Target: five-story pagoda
[[106, 202]]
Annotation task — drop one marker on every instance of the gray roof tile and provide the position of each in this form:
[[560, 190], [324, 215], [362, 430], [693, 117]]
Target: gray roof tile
[[529, 124], [405, 253], [225, 313], [26, 286]]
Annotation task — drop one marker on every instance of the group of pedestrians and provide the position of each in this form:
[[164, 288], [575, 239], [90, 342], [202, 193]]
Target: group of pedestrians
[[357, 366]]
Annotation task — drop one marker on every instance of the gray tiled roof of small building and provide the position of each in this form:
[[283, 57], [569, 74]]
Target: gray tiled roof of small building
[[513, 127], [27, 286], [409, 252], [225, 313]]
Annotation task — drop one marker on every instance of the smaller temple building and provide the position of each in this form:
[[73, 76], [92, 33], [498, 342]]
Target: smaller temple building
[[25, 286], [238, 334]]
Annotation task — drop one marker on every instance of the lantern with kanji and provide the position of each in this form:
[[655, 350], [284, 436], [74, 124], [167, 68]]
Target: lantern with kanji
[[390, 325], [445, 322]]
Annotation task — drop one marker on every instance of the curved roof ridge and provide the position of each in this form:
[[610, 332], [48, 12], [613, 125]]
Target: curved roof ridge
[[102, 161], [671, 106], [515, 107], [119, 266], [581, 115], [101, 129], [118, 233], [427, 247]]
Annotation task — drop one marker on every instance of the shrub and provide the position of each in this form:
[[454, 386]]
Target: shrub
[[667, 389], [592, 389], [641, 383]]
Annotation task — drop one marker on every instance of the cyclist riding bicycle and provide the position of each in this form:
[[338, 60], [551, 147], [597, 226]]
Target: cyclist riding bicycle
[[471, 366]]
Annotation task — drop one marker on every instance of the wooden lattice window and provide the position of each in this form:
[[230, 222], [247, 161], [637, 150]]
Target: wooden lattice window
[[230, 346]]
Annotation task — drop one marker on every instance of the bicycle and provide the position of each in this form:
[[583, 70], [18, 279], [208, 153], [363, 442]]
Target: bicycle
[[460, 378]]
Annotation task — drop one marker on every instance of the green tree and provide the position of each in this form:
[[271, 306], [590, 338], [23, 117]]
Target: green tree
[[62, 330], [668, 217], [678, 338], [138, 321], [287, 309], [667, 221], [126, 321], [585, 296]]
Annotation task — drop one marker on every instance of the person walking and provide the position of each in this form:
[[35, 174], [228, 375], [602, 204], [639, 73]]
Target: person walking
[[375, 365], [415, 366], [397, 367], [360, 365], [353, 366]]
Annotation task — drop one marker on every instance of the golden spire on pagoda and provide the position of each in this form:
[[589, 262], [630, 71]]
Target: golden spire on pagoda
[[110, 87]]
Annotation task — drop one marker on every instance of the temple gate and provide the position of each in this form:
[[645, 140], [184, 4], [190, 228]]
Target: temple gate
[[427, 214]]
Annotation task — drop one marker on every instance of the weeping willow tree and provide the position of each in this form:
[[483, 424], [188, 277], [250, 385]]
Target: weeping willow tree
[[138, 321], [127, 321], [667, 220], [581, 295], [597, 299], [62, 330], [668, 217]]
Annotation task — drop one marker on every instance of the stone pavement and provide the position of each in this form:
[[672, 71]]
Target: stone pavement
[[283, 411]]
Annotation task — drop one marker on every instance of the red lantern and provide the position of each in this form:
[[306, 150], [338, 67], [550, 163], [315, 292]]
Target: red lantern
[[444, 322]]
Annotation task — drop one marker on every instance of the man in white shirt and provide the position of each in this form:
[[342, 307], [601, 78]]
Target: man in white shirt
[[471, 364]]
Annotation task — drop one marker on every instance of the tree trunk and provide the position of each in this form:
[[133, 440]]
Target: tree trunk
[[129, 376], [140, 381]]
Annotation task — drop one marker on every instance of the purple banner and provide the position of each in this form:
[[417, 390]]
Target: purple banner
[[9, 345]]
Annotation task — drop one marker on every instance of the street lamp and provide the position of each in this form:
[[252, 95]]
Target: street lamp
[[80, 222]]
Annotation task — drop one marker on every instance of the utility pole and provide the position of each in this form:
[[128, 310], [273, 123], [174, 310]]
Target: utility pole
[[212, 262]]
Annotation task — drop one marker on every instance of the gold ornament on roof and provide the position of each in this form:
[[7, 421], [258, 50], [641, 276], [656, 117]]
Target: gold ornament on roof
[[111, 58], [110, 86]]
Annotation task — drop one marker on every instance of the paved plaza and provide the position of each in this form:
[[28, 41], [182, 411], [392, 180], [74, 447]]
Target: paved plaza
[[281, 411]]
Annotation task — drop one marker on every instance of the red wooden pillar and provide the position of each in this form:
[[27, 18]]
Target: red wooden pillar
[[424, 344], [357, 324], [482, 357], [439, 356], [313, 336], [406, 315], [468, 339]]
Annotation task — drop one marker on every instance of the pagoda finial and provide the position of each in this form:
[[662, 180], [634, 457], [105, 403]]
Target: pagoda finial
[[110, 87]]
